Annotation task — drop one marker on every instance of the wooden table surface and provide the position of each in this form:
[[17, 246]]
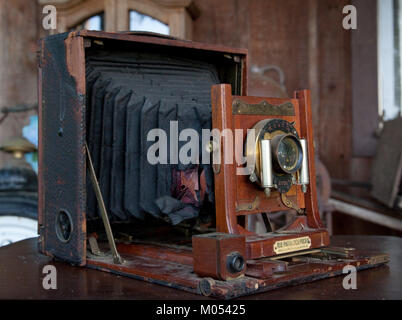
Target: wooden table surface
[[21, 278]]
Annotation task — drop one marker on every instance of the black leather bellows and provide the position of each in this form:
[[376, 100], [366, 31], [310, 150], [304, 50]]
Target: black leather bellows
[[129, 94]]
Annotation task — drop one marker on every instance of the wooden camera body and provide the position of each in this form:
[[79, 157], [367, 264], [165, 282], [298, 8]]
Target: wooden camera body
[[243, 195], [89, 217]]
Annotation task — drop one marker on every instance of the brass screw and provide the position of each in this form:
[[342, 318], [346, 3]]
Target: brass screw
[[253, 178]]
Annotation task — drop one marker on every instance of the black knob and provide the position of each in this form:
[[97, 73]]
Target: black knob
[[235, 262]]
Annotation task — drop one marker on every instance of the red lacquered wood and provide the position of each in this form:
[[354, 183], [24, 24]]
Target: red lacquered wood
[[211, 253], [157, 252], [313, 215], [234, 192], [260, 246], [225, 176]]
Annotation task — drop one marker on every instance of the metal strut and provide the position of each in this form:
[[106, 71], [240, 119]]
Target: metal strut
[[116, 256]]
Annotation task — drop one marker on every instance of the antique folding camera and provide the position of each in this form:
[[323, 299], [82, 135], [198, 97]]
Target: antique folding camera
[[236, 217]]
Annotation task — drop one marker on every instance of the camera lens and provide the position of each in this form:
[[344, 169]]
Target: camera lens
[[288, 153], [235, 262]]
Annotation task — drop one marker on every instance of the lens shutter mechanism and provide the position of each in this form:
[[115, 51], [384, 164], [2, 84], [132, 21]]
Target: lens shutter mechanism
[[275, 155]]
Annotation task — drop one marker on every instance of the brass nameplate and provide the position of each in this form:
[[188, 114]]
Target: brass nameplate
[[292, 245], [264, 109]]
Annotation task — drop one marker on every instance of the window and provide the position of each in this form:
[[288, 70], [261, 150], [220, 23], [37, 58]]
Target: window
[[142, 22], [95, 22], [169, 17], [389, 58]]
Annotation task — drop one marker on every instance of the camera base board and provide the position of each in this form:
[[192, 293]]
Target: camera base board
[[172, 266]]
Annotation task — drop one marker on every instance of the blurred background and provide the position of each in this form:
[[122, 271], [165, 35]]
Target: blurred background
[[355, 77]]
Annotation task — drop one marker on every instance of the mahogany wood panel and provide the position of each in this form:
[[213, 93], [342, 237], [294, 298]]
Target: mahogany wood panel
[[182, 277], [24, 280], [232, 189], [157, 252], [263, 246], [307, 132], [211, 253], [225, 201], [246, 195]]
